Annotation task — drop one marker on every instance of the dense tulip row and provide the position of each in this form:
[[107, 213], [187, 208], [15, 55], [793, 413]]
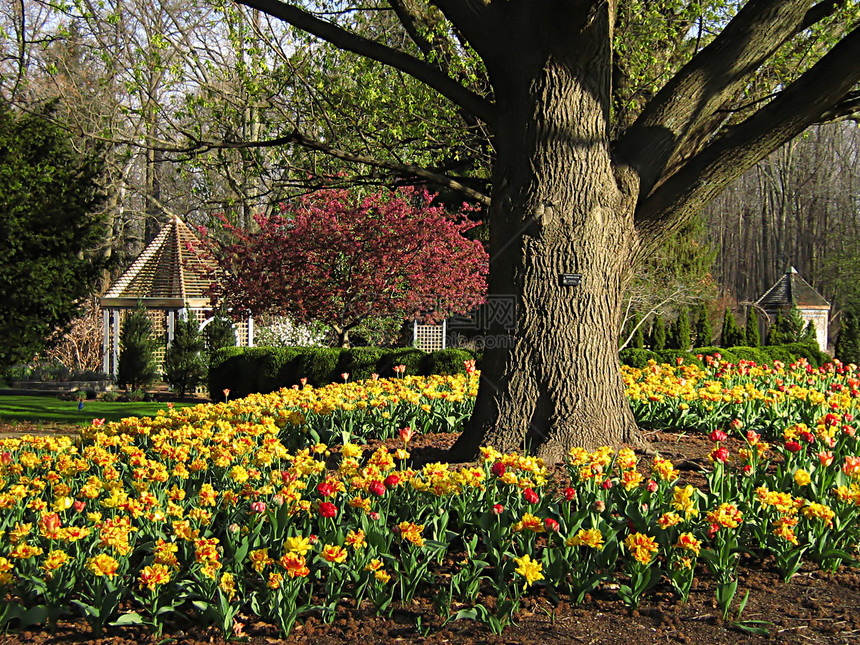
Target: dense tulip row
[[762, 397], [223, 511]]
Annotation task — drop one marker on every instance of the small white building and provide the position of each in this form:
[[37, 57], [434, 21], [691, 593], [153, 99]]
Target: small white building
[[792, 290], [171, 282]]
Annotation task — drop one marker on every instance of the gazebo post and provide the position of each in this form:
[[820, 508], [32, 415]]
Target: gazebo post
[[106, 341], [115, 343]]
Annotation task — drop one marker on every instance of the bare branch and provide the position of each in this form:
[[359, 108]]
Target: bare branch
[[400, 169]]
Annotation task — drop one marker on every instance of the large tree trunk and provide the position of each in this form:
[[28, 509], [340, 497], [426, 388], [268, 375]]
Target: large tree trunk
[[554, 381]]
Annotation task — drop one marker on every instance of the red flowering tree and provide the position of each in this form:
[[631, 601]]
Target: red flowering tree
[[341, 259]]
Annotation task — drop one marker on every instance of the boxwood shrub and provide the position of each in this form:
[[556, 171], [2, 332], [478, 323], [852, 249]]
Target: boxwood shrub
[[778, 353], [671, 356], [359, 362], [410, 357], [447, 361], [754, 354], [244, 370], [726, 353], [638, 358], [815, 356]]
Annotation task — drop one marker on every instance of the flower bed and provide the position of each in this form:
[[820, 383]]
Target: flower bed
[[253, 506]]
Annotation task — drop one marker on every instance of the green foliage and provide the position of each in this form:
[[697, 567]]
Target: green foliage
[[778, 353], [751, 333], [678, 271], [809, 336], [359, 362], [274, 369], [847, 347], [317, 365], [409, 357], [788, 327], [811, 353], [137, 366], [636, 357], [672, 356], [752, 354], [219, 333], [679, 336], [446, 361], [703, 332], [657, 339], [184, 365], [49, 193], [731, 335], [376, 331], [726, 354]]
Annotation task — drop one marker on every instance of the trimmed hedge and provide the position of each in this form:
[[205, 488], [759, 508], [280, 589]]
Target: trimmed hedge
[[636, 357], [639, 358], [245, 370], [671, 356], [752, 354], [778, 353], [359, 362], [446, 361], [726, 352], [408, 356], [815, 356]]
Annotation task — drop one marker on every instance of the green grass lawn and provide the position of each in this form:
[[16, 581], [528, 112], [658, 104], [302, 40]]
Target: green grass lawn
[[49, 409]]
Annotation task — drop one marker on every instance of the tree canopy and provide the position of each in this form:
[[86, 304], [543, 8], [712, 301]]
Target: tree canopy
[[339, 258], [49, 234]]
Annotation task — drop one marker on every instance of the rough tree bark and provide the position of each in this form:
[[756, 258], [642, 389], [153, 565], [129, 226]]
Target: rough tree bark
[[555, 382]]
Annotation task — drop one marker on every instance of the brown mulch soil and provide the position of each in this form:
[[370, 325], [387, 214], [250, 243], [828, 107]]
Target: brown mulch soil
[[814, 607]]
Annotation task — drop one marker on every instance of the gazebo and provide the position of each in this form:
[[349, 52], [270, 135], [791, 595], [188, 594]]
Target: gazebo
[[793, 291], [170, 282]]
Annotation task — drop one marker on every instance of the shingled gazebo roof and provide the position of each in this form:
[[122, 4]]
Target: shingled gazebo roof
[[791, 289], [165, 275]]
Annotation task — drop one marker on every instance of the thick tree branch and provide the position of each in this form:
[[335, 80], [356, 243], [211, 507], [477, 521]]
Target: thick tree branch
[[474, 19], [806, 101], [684, 110], [818, 13], [348, 41], [408, 20], [847, 109]]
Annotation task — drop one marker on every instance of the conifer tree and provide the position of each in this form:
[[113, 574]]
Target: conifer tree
[[704, 332], [137, 366], [731, 335], [679, 337], [787, 328], [638, 340], [219, 333], [657, 340], [847, 347], [184, 366], [809, 337], [751, 333]]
